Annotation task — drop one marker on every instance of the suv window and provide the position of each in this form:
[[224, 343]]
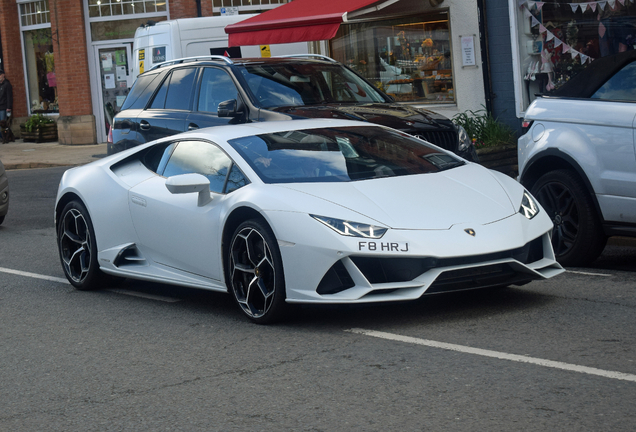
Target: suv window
[[176, 91], [621, 86], [206, 159], [216, 87], [140, 92]]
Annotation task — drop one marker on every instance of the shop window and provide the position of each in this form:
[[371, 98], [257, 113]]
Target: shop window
[[40, 64], [106, 8], [408, 58], [246, 5], [556, 40]]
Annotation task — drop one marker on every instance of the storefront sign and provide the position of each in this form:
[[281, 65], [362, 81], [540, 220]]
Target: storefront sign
[[468, 51]]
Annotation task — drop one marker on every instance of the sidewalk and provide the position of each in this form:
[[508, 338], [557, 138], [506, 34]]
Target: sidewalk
[[24, 155]]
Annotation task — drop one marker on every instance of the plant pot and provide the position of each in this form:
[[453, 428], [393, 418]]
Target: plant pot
[[44, 133], [502, 158]]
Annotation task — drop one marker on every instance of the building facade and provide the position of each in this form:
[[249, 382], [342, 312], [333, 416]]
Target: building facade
[[72, 59], [537, 46]]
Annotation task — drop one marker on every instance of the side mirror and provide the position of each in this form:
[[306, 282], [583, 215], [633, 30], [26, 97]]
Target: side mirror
[[228, 109], [190, 183]]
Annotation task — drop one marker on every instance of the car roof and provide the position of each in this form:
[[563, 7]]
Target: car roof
[[590, 79]]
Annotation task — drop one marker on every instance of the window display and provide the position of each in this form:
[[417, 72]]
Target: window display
[[40, 63], [557, 39], [408, 58]]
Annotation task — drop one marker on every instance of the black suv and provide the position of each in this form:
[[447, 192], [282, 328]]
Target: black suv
[[194, 93]]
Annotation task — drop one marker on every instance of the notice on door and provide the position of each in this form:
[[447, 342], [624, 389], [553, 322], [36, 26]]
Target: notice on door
[[109, 81]]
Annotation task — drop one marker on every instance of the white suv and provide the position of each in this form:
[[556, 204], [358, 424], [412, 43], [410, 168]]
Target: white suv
[[578, 158]]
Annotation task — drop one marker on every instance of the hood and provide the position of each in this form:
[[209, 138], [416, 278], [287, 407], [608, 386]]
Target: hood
[[467, 194], [401, 117]]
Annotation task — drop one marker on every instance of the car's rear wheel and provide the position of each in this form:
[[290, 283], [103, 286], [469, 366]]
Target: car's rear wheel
[[577, 237], [255, 272], [77, 248], [1, 219]]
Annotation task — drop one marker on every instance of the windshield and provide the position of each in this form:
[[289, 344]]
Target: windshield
[[340, 155], [282, 85]]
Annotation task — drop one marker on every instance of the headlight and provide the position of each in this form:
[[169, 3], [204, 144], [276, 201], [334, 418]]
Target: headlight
[[529, 207], [464, 140], [352, 229]]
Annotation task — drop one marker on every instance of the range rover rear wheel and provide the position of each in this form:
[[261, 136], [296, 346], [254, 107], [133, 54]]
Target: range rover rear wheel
[[577, 237]]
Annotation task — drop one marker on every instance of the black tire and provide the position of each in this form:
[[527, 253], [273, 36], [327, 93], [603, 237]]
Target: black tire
[[254, 273], [1, 219], [578, 237], [78, 249]]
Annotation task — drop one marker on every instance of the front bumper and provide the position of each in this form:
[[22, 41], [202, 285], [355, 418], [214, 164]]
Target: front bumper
[[407, 264]]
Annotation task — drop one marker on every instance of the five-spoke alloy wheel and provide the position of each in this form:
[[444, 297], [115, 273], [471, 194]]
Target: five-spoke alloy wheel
[[77, 248], [255, 272]]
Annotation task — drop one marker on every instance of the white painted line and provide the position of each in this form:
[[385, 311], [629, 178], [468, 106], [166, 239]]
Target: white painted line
[[588, 274], [146, 296], [34, 275], [65, 281], [499, 355]]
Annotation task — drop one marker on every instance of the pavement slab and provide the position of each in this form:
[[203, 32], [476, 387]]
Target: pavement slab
[[25, 155]]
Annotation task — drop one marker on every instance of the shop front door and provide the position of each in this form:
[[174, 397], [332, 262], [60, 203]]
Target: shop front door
[[115, 78]]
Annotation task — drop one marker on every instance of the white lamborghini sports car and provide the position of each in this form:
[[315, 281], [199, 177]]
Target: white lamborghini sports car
[[305, 211]]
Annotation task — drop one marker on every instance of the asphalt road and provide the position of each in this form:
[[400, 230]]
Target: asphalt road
[[555, 355]]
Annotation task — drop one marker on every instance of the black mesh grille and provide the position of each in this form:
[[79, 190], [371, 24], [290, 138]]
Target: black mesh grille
[[478, 277], [444, 139]]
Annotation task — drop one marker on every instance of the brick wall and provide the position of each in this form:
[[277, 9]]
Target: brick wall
[[71, 57], [12, 53]]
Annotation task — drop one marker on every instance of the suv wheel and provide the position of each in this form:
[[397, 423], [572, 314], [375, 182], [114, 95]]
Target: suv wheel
[[577, 237]]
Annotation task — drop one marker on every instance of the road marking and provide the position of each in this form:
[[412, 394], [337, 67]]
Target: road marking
[[146, 296], [34, 275], [588, 274], [65, 281], [495, 354]]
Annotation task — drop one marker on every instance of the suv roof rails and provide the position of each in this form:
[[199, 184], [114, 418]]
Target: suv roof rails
[[182, 60], [319, 56]]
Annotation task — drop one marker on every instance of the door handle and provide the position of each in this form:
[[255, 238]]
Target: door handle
[[144, 125], [193, 126]]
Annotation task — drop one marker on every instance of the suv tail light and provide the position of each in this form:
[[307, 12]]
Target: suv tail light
[[110, 135], [525, 126]]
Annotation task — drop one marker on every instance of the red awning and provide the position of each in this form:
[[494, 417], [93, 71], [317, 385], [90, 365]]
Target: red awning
[[297, 21]]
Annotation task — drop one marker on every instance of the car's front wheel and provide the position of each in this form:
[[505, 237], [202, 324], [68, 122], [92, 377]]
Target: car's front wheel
[[77, 247], [577, 237], [255, 272]]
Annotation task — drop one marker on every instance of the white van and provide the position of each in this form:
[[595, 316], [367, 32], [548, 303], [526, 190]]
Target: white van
[[189, 37]]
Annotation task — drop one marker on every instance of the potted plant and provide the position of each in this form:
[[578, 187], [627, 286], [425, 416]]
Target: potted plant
[[38, 128], [495, 142]]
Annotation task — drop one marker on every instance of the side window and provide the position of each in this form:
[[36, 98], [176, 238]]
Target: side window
[[622, 86], [176, 91], [216, 87], [235, 180], [157, 156], [160, 98], [180, 90], [141, 92], [202, 158]]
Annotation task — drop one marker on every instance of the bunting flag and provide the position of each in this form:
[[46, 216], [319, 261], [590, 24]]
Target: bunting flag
[[582, 6], [547, 35]]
